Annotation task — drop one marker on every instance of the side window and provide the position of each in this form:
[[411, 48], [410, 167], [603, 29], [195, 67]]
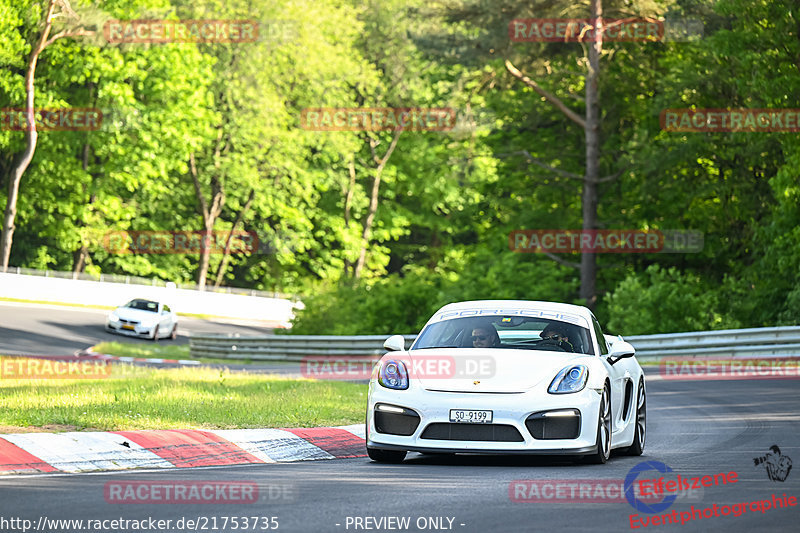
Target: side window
[[601, 340], [166, 308]]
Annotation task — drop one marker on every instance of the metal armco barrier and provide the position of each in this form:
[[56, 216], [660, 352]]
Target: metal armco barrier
[[288, 347], [725, 344]]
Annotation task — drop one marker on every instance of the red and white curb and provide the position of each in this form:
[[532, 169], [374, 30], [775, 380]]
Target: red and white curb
[[31, 453]]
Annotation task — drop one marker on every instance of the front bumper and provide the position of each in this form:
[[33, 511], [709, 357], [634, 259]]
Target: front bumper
[[513, 410], [138, 331]]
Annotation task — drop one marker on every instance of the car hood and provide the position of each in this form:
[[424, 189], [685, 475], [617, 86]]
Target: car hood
[[138, 315], [487, 370]]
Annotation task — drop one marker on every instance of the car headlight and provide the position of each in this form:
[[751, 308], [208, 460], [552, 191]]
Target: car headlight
[[393, 375], [570, 379], [113, 317]]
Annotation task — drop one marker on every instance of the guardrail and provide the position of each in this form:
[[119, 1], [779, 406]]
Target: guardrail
[[752, 343], [288, 347], [729, 343]]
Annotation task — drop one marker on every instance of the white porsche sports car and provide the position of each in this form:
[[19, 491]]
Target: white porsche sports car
[[507, 376], [144, 318]]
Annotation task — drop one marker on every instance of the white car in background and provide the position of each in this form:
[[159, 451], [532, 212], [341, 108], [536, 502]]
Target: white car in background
[[144, 319], [510, 377]]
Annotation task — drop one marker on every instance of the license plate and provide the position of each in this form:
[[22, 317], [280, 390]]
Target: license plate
[[470, 416], [126, 326]]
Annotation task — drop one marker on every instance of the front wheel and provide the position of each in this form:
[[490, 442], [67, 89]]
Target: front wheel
[[603, 441], [641, 422], [155, 334], [386, 456]]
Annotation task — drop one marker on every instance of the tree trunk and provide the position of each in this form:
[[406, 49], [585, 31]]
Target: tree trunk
[[592, 135], [31, 135], [226, 253], [209, 215], [348, 199], [373, 201], [80, 255], [591, 127]]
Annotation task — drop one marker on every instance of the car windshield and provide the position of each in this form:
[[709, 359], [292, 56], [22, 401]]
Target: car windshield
[[144, 305], [516, 332]]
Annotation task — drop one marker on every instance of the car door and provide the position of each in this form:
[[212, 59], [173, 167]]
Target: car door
[[618, 375], [165, 321]]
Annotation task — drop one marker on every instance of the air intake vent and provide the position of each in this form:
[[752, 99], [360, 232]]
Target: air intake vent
[[476, 432], [561, 424]]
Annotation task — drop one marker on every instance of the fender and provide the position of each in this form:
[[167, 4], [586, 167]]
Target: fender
[[597, 375]]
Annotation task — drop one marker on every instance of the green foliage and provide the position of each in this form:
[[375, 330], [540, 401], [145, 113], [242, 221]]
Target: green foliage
[[663, 300], [403, 303]]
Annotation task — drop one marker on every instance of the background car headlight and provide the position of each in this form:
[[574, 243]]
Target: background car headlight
[[393, 375], [113, 317], [570, 379]]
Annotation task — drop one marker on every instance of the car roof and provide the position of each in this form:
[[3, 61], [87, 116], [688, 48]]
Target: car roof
[[502, 306]]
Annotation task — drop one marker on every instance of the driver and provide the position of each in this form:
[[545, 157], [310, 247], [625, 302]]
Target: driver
[[485, 337], [557, 333]]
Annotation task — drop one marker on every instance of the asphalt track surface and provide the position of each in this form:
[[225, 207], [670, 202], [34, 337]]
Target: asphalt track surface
[[696, 428], [34, 329], [60, 330]]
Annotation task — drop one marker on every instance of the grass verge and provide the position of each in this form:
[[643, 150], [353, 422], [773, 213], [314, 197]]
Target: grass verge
[[135, 397]]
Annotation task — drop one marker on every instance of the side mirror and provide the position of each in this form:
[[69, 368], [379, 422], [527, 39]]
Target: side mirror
[[620, 350], [395, 343]]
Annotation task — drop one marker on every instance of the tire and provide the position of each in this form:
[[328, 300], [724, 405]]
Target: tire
[[641, 422], [174, 334], [386, 456], [155, 334], [603, 440]]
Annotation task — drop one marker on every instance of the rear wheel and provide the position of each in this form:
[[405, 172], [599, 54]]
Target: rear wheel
[[641, 422], [386, 456], [174, 334], [603, 442]]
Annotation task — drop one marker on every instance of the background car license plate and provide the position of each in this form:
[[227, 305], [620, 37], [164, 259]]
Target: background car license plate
[[469, 416], [126, 326]]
